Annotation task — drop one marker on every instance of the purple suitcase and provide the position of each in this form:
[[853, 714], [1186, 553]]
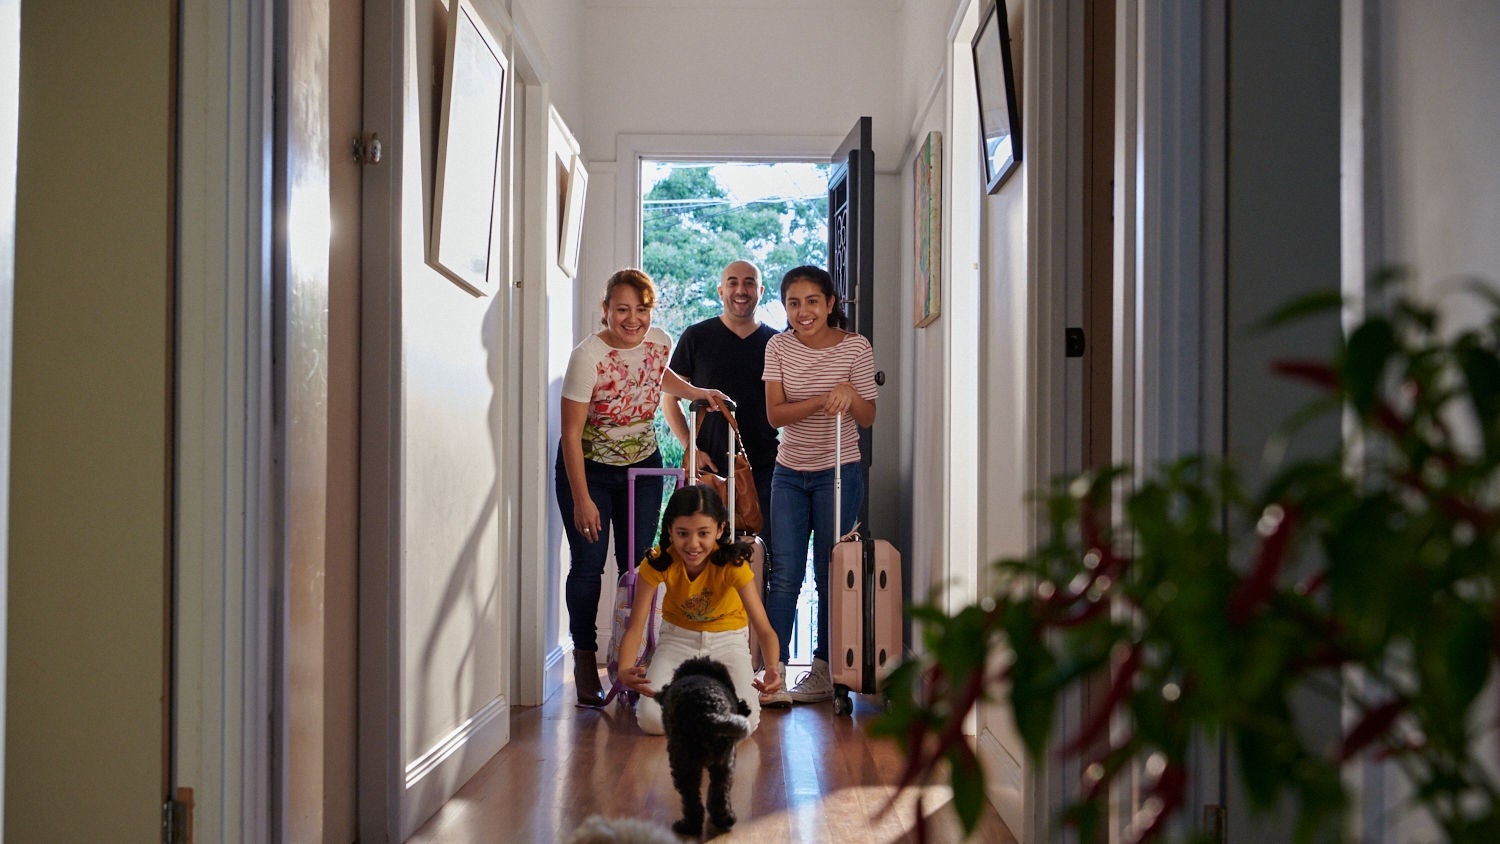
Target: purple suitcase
[[864, 613]]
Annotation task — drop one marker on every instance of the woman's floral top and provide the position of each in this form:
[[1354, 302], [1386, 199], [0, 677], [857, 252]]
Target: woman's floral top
[[622, 388]]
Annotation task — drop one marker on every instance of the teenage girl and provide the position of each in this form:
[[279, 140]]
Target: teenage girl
[[710, 606], [817, 376]]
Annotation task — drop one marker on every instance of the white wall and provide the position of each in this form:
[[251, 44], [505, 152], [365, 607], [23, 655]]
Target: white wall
[[724, 68], [1440, 129], [554, 32], [1422, 189]]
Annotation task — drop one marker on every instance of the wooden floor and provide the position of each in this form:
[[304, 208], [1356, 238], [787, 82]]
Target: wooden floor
[[805, 776]]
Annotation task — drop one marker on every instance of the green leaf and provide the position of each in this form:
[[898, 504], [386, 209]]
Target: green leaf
[[1310, 304], [967, 778], [1370, 347]]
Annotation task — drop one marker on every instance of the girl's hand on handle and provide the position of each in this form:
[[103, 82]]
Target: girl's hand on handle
[[839, 399], [586, 518], [770, 680], [634, 678]]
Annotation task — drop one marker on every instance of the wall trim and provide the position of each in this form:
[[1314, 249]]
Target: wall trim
[[1053, 121], [435, 775], [223, 539]]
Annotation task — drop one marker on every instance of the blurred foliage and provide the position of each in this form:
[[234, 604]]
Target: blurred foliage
[[690, 230], [1208, 611]]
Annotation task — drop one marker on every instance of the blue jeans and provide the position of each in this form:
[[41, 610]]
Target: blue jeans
[[610, 493], [803, 504]]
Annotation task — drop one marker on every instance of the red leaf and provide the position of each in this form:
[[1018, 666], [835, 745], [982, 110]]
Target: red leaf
[[1372, 726], [1256, 587]]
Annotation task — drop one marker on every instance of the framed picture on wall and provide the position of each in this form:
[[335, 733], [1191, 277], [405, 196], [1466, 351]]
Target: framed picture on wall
[[927, 220], [999, 112], [468, 151], [570, 234]]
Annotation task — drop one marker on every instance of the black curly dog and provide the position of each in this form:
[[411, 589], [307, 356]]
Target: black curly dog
[[703, 719]]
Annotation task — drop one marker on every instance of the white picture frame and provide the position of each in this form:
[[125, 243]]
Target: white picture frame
[[570, 232], [468, 151]]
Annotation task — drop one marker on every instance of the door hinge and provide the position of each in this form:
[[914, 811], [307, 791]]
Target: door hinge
[[1214, 827], [177, 818], [367, 152]]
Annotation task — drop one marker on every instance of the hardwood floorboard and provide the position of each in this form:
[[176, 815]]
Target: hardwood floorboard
[[805, 776]]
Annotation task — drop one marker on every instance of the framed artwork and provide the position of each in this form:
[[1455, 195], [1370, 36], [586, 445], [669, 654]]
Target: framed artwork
[[927, 217], [995, 84], [570, 233], [468, 151]]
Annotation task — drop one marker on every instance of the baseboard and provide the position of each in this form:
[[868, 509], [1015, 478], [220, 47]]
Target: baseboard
[[1004, 781], [554, 669], [436, 775]]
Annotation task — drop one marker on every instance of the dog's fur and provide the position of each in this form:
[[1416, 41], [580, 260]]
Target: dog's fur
[[597, 829], [703, 719]]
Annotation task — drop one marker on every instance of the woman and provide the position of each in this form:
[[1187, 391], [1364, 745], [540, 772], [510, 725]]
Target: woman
[[817, 376], [610, 393]]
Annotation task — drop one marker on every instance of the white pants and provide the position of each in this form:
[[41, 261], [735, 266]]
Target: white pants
[[676, 645]]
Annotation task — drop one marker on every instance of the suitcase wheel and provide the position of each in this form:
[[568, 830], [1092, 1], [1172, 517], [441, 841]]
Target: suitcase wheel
[[842, 705]]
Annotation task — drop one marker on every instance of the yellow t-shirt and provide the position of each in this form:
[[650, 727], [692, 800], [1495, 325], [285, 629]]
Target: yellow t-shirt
[[709, 603]]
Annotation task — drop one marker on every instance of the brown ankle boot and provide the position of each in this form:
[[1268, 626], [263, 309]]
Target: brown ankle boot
[[586, 678]]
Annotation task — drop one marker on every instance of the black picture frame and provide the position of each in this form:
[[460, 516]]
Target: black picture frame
[[995, 88]]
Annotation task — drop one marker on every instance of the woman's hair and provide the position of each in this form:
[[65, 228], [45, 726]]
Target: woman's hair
[[630, 277], [692, 501], [820, 277]]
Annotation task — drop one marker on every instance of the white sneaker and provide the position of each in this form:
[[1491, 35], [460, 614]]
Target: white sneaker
[[778, 698], [813, 686]]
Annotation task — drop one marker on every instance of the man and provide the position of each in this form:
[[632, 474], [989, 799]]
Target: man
[[728, 353]]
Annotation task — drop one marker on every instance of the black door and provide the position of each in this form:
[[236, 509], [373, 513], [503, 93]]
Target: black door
[[851, 227], [851, 246]]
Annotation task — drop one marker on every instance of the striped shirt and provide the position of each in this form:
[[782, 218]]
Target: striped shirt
[[807, 444]]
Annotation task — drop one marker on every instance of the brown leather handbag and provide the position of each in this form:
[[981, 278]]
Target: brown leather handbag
[[746, 503]]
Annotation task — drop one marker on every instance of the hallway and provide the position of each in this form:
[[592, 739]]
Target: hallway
[[805, 776]]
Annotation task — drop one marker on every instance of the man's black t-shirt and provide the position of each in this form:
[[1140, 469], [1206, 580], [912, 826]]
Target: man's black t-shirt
[[710, 355]]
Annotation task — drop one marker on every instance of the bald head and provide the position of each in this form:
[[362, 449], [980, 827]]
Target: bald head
[[740, 291]]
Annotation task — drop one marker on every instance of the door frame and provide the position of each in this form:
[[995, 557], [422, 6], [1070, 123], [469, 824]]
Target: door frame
[[224, 545], [1169, 298], [10, 70]]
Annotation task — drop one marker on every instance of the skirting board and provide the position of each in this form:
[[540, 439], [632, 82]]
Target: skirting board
[[1005, 782], [435, 776]]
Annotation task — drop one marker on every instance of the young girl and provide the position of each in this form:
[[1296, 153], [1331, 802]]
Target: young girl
[[815, 371], [709, 608]]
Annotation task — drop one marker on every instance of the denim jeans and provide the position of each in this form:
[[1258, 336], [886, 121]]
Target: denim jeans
[[610, 493], [803, 504], [678, 645]]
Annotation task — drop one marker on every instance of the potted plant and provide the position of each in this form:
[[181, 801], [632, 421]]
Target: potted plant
[[1209, 609]]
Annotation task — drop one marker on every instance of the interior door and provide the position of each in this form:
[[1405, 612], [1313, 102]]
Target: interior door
[[851, 246]]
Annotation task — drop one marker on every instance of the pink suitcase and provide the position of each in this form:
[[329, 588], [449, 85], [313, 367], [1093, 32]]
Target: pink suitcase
[[757, 546], [865, 618]]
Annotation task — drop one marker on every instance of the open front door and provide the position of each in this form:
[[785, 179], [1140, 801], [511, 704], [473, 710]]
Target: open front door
[[851, 244]]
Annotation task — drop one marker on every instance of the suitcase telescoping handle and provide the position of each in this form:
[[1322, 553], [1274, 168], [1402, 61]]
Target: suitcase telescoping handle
[[699, 407], [838, 476], [838, 485]]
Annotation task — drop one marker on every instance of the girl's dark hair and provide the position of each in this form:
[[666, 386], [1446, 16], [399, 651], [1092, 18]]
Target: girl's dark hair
[[820, 277], [692, 501]]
